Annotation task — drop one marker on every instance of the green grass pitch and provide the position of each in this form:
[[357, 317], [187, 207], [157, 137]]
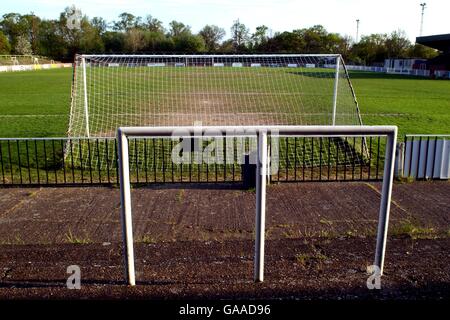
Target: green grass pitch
[[37, 104]]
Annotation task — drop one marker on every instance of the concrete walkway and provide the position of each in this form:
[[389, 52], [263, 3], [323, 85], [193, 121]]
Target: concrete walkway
[[172, 212]]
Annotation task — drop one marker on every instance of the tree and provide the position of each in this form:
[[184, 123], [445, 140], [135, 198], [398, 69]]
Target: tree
[[91, 40], [212, 35], [51, 41], [423, 52], [62, 38], [5, 47], [99, 24], [260, 36], [227, 46], [397, 45], [114, 42], [314, 39], [156, 41], [240, 35], [153, 24], [335, 43], [286, 42], [370, 49], [13, 25], [178, 28], [126, 22], [134, 40], [31, 23], [188, 43], [23, 46]]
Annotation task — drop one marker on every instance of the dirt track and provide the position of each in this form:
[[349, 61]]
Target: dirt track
[[196, 242], [295, 269]]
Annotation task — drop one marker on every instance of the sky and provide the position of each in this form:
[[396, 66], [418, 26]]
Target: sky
[[381, 16]]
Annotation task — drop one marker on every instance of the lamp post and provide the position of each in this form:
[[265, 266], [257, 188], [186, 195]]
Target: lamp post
[[423, 5], [357, 30]]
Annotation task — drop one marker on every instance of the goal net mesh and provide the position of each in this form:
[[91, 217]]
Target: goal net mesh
[[110, 91]]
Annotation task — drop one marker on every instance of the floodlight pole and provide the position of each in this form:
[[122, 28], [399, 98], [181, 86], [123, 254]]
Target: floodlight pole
[[357, 31], [86, 111], [336, 86], [261, 173], [385, 205], [125, 199], [423, 5]]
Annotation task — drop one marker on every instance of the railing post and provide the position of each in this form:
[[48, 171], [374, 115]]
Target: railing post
[[399, 159], [261, 173], [125, 199], [386, 193]]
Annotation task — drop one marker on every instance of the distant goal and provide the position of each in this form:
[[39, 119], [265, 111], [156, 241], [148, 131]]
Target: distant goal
[[111, 91], [178, 90]]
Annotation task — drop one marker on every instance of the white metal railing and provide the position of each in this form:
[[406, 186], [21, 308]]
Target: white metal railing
[[442, 74], [407, 72], [261, 132]]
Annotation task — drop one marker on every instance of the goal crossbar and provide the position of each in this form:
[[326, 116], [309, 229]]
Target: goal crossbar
[[262, 133], [205, 55]]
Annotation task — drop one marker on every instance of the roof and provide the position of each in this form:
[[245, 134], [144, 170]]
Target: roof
[[440, 42]]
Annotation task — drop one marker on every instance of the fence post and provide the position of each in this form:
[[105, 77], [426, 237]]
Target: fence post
[[125, 199], [248, 172], [386, 193], [261, 173], [399, 159]]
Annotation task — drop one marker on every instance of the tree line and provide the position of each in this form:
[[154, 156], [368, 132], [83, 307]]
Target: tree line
[[73, 33]]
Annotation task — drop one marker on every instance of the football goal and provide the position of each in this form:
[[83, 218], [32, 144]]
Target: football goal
[[110, 91], [261, 133], [177, 90]]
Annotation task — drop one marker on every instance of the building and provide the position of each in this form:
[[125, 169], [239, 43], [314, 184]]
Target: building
[[439, 66], [403, 65]]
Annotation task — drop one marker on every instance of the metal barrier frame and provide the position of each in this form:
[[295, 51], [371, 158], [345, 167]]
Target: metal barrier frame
[[261, 132]]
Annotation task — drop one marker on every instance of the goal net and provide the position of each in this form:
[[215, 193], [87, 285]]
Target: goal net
[[110, 91]]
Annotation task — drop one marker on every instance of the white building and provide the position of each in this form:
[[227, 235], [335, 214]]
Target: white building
[[401, 65]]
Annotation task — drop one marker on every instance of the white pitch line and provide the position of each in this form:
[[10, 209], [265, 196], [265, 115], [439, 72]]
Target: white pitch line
[[32, 115]]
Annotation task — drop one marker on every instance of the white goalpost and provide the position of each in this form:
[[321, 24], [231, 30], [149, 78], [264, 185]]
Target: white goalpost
[[262, 133]]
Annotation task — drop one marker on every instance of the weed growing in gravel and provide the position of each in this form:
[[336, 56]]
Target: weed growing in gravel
[[407, 227], [326, 222], [305, 259], [16, 241], [71, 238], [147, 239], [180, 195]]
